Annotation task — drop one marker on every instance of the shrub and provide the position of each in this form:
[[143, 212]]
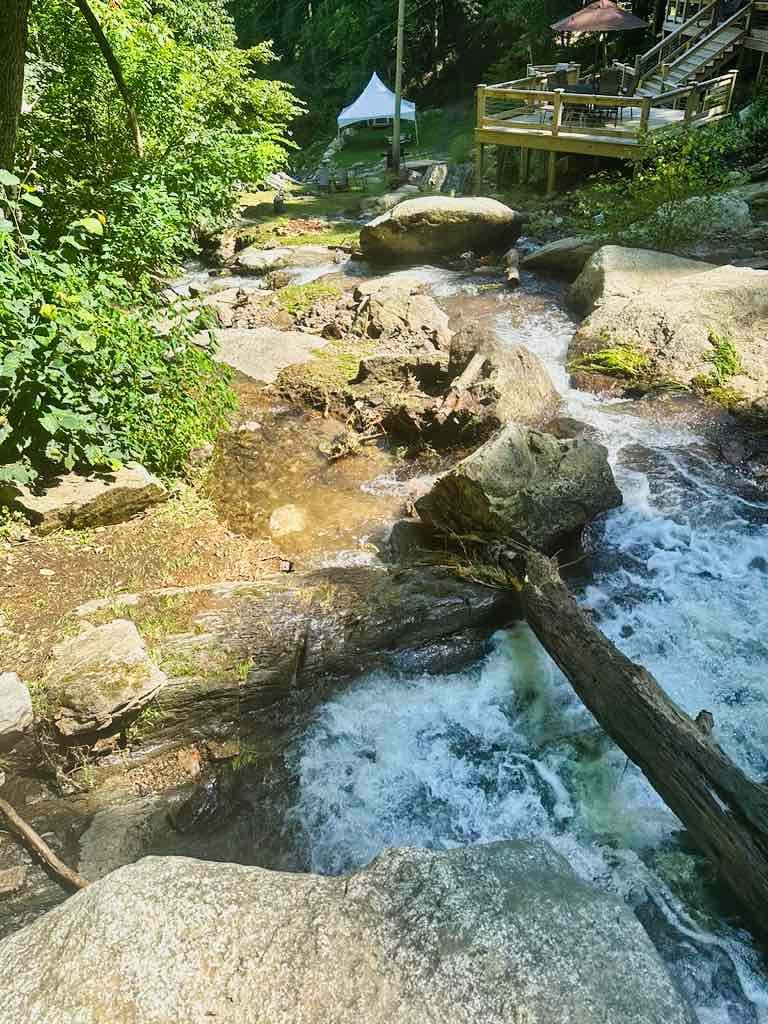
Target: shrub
[[210, 122], [86, 379]]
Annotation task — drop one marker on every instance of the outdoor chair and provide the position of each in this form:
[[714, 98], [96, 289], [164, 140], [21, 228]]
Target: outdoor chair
[[558, 79], [324, 179], [342, 180], [609, 84]]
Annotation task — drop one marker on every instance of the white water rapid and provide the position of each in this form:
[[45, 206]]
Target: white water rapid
[[679, 580]]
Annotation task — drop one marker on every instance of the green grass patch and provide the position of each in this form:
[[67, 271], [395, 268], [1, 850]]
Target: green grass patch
[[617, 361], [297, 298]]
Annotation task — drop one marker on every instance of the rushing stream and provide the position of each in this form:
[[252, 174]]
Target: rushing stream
[[678, 577]]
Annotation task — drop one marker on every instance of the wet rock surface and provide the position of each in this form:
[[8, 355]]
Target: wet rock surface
[[498, 933]]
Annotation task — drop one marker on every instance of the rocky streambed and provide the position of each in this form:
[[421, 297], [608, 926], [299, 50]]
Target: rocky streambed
[[377, 700]]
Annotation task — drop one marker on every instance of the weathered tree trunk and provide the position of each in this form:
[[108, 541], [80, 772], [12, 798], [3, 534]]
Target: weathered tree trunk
[[13, 46], [724, 811], [117, 73]]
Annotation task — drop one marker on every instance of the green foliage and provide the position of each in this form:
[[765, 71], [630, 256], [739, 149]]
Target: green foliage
[[86, 379], [724, 358], [618, 361], [650, 208], [210, 122]]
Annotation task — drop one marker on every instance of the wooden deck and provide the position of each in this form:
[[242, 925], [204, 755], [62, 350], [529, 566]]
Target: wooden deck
[[528, 115]]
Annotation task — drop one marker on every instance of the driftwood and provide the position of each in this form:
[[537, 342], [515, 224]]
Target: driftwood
[[459, 386], [725, 812], [35, 844]]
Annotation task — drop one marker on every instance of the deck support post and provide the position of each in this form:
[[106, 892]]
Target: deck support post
[[552, 173], [479, 166], [525, 164]]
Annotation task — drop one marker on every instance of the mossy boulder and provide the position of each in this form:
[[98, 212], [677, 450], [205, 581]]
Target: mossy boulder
[[99, 677], [688, 323]]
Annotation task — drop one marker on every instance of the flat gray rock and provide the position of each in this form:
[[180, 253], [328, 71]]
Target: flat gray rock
[[77, 502], [565, 257], [262, 352], [497, 934]]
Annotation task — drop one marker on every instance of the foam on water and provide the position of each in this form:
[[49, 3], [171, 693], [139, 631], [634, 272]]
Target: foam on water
[[680, 582]]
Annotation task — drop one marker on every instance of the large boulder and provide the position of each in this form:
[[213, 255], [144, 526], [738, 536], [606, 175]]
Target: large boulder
[[78, 502], [16, 715], [565, 257], [615, 271], [439, 225], [497, 934], [98, 677], [523, 486], [680, 320]]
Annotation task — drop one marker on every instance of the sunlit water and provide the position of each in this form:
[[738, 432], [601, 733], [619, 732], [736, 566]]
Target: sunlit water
[[679, 579]]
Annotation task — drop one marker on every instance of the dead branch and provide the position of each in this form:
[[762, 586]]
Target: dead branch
[[35, 844]]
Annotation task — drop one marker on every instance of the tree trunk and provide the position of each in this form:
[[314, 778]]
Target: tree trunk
[[725, 812], [114, 66], [13, 46]]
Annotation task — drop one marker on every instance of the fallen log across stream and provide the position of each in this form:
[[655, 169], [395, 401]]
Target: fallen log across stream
[[725, 812]]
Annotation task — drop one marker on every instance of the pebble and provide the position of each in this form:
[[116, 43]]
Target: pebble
[[12, 879], [47, 572]]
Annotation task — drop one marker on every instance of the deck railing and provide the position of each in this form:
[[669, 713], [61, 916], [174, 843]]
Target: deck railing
[[528, 107], [758, 27], [680, 11]]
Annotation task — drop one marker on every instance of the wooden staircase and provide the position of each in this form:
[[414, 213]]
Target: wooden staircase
[[694, 52]]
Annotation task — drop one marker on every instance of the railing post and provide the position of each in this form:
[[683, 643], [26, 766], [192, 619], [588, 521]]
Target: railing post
[[637, 71], [557, 112], [480, 105], [734, 76], [664, 73], [691, 103], [645, 113]]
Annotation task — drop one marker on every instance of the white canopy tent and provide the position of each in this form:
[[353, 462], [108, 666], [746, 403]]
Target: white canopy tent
[[374, 103]]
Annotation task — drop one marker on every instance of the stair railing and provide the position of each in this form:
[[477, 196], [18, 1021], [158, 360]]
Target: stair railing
[[676, 43], [738, 20]]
